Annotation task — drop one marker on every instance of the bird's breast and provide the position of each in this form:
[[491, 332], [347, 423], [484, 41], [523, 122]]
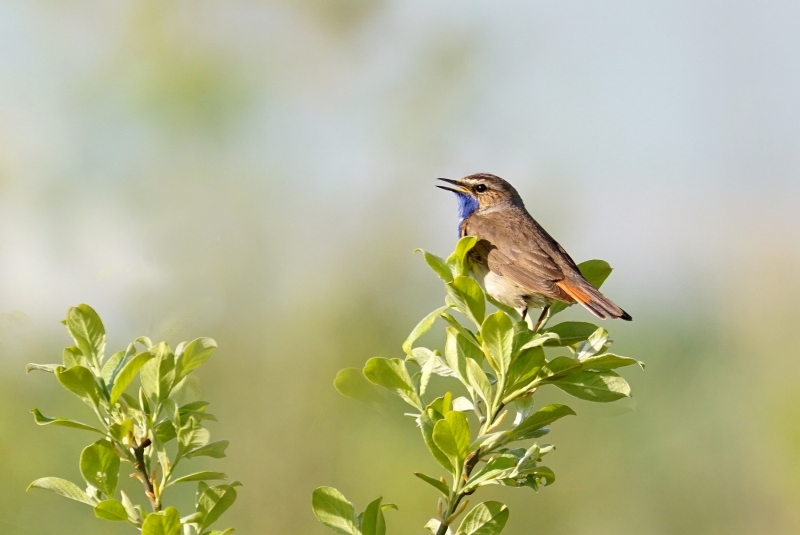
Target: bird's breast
[[505, 290]]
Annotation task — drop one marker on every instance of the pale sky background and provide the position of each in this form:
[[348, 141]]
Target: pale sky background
[[662, 135], [259, 172]]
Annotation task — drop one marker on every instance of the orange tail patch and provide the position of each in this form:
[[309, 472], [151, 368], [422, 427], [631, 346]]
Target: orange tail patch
[[574, 292]]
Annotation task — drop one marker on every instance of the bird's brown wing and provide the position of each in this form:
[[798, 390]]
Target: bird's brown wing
[[517, 248]]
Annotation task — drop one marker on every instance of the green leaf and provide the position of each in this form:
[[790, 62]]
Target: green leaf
[[80, 381], [593, 345], [496, 468], [541, 418], [524, 406], [111, 510], [127, 373], [542, 339], [609, 361], [144, 403], [543, 472], [167, 363], [133, 514], [144, 341], [112, 366], [479, 381], [427, 422], [215, 450], [435, 483], [100, 466], [458, 260], [87, 330], [148, 375], [118, 431], [164, 523], [214, 501], [158, 374], [452, 436], [51, 368], [165, 431], [192, 437], [438, 265], [458, 350], [333, 510], [195, 354], [62, 487], [487, 518], [351, 383], [468, 297], [442, 404], [522, 335], [425, 375], [570, 332], [72, 356], [199, 476], [497, 333], [131, 401], [421, 328], [462, 404], [594, 271], [463, 331], [41, 419], [524, 368], [393, 375], [373, 522], [194, 407], [595, 386], [423, 355], [559, 367], [216, 532]]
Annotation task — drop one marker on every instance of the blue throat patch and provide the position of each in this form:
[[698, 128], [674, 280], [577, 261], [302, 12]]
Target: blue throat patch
[[467, 204]]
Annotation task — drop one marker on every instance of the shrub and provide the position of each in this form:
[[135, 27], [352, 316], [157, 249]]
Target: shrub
[[485, 436], [155, 430]]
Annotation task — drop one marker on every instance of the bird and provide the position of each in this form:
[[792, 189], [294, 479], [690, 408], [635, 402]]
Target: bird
[[516, 261]]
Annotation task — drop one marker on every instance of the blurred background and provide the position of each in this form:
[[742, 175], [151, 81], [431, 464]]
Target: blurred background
[[260, 172]]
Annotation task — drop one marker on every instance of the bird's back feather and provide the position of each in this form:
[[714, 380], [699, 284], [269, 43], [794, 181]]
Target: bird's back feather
[[512, 244]]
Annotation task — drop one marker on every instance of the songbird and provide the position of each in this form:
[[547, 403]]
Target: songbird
[[515, 259]]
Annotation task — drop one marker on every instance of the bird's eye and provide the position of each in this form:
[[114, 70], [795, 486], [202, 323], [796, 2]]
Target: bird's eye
[[480, 188]]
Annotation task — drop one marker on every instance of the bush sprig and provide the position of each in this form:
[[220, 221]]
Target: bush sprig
[[154, 430], [501, 361]]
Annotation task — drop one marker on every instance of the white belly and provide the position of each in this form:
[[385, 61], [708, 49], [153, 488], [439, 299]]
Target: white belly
[[507, 291]]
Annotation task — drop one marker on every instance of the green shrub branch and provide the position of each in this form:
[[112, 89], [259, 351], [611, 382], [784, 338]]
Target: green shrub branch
[[501, 361], [153, 430]]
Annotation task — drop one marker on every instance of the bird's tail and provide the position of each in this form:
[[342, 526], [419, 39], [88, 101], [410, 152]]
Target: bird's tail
[[590, 297]]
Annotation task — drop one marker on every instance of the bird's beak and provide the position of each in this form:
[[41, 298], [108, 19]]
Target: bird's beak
[[458, 187]]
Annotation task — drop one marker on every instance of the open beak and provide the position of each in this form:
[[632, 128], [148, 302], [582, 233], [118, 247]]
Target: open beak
[[458, 187]]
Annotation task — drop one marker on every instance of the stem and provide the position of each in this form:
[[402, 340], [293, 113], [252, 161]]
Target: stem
[[457, 493], [498, 403], [141, 466], [527, 388]]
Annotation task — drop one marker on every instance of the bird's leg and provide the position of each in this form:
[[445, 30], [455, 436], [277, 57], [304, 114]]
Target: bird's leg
[[524, 313], [542, 316]]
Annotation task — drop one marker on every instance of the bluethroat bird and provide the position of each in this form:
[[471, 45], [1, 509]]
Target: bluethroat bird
[[515, 259]]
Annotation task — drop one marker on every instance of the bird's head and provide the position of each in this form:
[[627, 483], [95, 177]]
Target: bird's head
[[480, 192]]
